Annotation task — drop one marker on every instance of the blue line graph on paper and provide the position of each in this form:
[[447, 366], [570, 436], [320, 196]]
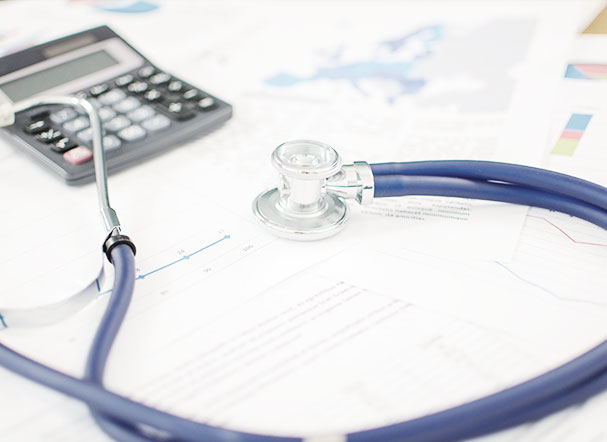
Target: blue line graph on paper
[[183, 258], [172, 263]]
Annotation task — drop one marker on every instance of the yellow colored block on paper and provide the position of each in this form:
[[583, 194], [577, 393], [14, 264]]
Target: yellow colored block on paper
[[565, 147]]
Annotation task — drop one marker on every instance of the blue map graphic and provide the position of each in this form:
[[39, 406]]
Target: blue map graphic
[[463, 67], [381, 67], [128, 7]]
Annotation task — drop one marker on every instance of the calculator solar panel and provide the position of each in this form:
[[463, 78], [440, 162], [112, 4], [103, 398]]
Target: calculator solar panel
[[144, 110]]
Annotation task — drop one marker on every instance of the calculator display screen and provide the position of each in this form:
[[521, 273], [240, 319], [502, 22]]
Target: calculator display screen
[[56, 75]]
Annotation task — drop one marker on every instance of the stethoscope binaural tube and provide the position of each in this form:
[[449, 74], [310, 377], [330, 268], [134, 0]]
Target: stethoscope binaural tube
[[491, 171], [401, 185]]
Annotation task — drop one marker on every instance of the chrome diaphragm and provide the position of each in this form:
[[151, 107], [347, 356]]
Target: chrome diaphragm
[[308, 203]]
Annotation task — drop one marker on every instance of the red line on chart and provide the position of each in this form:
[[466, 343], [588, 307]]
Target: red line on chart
[[548, 291], [567, 235]]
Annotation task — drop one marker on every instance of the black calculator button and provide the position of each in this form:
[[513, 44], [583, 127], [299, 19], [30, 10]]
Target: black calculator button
[[124, 80], [63, 115], [138, 87], [160, 79], [191, 94], [39, 114], [146, 72], [171, 98], [175, 107], [206, 104], [95, 91], [178, 110], [175, 86], [63, 145], [49, 136], [36, 127], [153, 95]]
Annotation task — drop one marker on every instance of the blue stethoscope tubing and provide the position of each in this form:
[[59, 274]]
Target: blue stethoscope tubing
[[571, 383]]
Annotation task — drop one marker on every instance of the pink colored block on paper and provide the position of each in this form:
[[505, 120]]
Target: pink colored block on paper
[[572, 134]]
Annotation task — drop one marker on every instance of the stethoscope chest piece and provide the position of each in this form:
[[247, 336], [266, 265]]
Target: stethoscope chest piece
[[300, 207]]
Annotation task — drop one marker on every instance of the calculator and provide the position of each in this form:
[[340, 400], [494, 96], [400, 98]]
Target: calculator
[[144, 110]]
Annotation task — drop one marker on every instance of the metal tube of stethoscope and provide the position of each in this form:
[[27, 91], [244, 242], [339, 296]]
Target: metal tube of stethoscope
[[110, 219], [301, 196], [303, 166]]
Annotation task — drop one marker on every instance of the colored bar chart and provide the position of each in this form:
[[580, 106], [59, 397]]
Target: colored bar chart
[[571, 135], [586, 71]]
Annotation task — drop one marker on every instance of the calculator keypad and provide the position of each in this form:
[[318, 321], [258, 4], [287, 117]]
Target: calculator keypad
[[131, 107]]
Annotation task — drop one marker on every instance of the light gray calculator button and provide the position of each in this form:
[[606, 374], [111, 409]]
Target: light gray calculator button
[[154, 124], [111, 142], [112, 96], [140, 114], [85, 135], [106, 113], [94, 102], [127, 105], [63, 115], [76, 125], [132, 133], [118, 123]]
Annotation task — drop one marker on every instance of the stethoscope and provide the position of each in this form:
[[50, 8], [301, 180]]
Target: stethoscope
[[310, 204]]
